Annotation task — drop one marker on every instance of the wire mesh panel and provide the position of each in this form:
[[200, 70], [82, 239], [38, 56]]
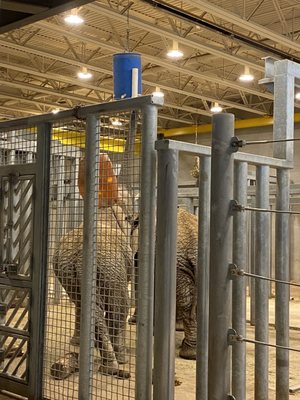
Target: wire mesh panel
[[18, 146], [17, 205], [116, 198]]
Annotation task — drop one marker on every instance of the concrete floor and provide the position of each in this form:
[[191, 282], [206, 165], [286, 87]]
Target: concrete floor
[[110, 388]]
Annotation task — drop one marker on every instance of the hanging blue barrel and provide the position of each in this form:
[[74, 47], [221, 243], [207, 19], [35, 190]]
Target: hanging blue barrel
[[123, 63]]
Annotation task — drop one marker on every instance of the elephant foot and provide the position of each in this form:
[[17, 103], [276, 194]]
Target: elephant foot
[[132, 320], [122, 357], [66, 366], [115, 371], [188, 351]]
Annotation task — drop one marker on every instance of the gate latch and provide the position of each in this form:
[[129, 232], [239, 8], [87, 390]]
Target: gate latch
[[9, 269]]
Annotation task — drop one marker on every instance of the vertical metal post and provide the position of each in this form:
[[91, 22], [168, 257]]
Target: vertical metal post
[[262, 287], [253, 264], [239, 284], [283, 110], [25, 214], [165, 276], [146, 255], [283, 129], [203, 279], [220, 256], [282, 291], [89, 272], [40, 259]]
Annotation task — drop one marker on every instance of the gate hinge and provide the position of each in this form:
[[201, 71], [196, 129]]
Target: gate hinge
[[3, 309], [9, 269], [13, 178], [2, 355], [233, 337]]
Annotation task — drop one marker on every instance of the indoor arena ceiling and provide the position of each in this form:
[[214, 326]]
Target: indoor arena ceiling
[[219, 38]]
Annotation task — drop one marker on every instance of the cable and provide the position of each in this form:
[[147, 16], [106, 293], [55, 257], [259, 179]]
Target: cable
[[240, 272], [246, 142]]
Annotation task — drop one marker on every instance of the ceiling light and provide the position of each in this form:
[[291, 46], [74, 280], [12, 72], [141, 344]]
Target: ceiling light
[[246, 76], [216, 108], [116, 122], [158, 92], [73, 18], [297, 96], [56, 110], [175, 53], [84, 74]]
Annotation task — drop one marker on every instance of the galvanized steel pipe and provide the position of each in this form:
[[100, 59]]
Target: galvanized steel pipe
[[203, 279], [146, 255], [239, 284], [165, 276], [262, 252], [220, 257]]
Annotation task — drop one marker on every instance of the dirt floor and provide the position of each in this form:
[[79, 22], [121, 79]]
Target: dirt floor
[[109, 388]]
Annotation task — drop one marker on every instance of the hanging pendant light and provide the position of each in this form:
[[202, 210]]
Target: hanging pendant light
[[246, 76], [175, 53], [84, 73], [216, 108], [73, 18]]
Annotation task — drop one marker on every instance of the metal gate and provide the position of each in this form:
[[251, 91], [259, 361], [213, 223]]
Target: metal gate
[[72, 185], [23, 226], [222, 255]]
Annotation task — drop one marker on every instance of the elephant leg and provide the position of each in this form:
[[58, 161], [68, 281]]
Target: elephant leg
[[75, 339], [68, 277], [185, 309], [133, 319], [188, 348], [109, 363], [117, 333]]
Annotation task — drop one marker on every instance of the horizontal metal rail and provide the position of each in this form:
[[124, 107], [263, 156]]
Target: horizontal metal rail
[[81, 112], [201, 150]]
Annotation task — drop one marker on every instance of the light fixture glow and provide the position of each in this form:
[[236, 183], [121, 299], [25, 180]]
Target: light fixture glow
[[216, 108], [55, 111], [73, 18], [158, 92], [84, 74], [116, 122], [246, 76], [297, 96], [175, 53]]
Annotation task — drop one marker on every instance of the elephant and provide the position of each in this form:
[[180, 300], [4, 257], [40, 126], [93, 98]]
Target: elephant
[[187, 248], [114, 260]]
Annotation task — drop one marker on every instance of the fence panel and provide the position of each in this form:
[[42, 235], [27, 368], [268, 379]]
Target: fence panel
[[95, 244]]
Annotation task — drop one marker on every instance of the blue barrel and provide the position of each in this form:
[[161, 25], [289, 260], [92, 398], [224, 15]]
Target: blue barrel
[[122, 69]]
